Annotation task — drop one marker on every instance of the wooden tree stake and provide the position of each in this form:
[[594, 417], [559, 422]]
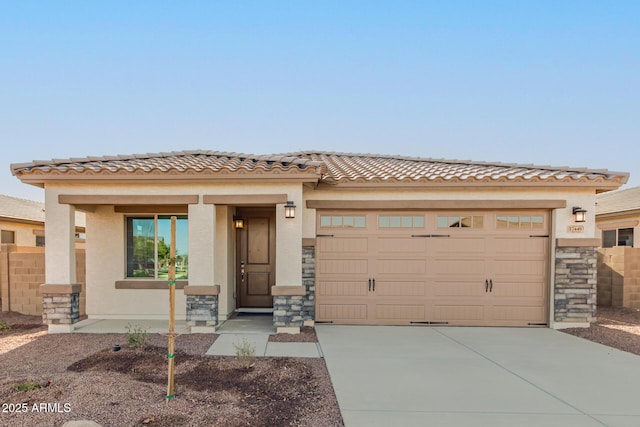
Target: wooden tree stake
[[172, 309]]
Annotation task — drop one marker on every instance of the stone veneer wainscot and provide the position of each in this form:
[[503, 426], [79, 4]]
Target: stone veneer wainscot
[[576, 278]]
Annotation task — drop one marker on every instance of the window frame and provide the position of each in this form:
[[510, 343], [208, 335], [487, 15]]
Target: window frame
[[156, 235], [616, 232]]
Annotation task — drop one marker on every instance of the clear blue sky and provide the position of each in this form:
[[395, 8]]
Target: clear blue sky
[[543, 82]]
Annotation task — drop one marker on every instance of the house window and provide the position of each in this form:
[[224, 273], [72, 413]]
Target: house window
[[148, 246], [520, 221], [343, 221], [454, 221], [7, 236], [401, 221], [617, 237], [40, 241]]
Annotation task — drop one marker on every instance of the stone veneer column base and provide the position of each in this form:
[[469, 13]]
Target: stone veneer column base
[[288, 308], [202, 308], [576, 279], [60, 307], [309, 282]]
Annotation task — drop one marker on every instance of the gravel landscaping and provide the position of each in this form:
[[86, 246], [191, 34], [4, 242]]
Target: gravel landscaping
[[47, 380]]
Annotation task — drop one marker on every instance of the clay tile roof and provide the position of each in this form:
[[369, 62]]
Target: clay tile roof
[[330, 167], [181, 161], [618, 201], [343, 167]]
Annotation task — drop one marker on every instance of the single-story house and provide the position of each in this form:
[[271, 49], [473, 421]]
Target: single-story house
[[323, 237], [22, 222], [618, 217]]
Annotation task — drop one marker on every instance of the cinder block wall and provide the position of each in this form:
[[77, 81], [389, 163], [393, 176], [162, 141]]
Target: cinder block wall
[[22, 273], [619, 277]]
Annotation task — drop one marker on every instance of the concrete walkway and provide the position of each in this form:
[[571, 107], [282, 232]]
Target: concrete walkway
[[255, 331], [418, 376]]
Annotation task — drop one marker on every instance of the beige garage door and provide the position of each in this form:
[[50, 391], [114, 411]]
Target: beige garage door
[[455, 268]]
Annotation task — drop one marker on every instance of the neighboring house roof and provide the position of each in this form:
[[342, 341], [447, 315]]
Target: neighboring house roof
[[620, 202], [29, 211], [21, 209], [322, 167]]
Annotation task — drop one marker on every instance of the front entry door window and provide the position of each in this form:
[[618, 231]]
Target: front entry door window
[[256, 258]]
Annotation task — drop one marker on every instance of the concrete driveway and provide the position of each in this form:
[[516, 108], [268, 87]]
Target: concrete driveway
[[435, 376]]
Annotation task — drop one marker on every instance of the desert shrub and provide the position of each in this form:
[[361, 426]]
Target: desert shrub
[[4, 326], [28, 385], [137, 336], [245, 353]]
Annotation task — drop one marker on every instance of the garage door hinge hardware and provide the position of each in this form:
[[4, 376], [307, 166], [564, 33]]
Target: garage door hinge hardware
[[324, 235], [539, 235], [323, 321], [372, 282], [538, 324], [428, 323], [430, 235]]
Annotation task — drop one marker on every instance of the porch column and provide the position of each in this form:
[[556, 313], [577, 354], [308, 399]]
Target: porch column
[[201, 293], [288, 294], [61, 293]]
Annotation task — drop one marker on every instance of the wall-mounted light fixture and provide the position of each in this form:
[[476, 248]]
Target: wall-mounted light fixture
[[238, 222], [579, 214], [289, 210]]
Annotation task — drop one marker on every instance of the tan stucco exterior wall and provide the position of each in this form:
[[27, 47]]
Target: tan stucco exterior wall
[[25, 234], [105, 247], [105, 236], [562, 218]]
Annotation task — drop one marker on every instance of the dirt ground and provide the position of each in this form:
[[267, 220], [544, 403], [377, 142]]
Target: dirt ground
[[79, 376]]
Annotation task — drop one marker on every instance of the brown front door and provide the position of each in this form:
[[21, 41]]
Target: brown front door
[[256, 257]]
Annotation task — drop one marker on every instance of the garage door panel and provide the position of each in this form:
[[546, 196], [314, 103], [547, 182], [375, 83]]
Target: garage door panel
[[520, 246], [402, 312], [400, 289], [344, 245], [520, 289], [518, 267], [520, 313], [343, 288], [400, 266], [401, 245], [342, 312], [344, 266], [457, 246], [475, 288], [458, 267], [458, 313]]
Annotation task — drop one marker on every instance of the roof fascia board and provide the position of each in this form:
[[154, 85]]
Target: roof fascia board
[[244, 199], [618, 214], [42, 179], [21, 220], [599, 187], [436, 204], [132, 200]]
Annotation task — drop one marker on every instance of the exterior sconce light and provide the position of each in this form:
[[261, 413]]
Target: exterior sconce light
[[238, 222], [579, 214], [289, 210]]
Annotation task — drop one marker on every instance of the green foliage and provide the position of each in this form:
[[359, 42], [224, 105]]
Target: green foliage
[[245, 353], [4, 326], [28, 385], [137, 336]]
